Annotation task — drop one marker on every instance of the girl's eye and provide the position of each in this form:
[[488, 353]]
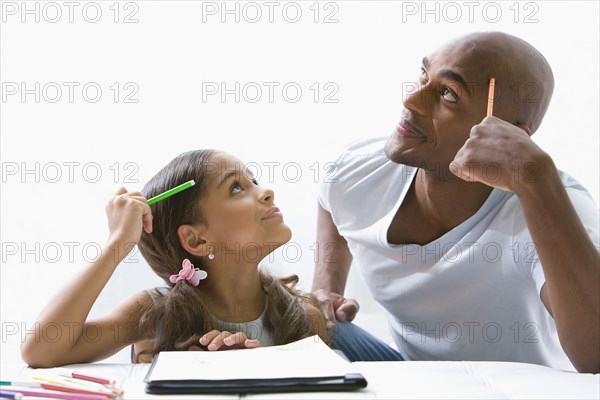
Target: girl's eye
[[236, 188], [449, 95]]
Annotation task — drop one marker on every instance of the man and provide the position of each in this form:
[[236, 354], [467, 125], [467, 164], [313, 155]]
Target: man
[[463, 229]]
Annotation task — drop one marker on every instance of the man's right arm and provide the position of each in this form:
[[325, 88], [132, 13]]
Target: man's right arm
[[331, 271]]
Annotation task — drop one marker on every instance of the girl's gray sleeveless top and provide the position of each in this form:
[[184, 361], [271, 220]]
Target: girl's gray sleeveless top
[[253, 329]]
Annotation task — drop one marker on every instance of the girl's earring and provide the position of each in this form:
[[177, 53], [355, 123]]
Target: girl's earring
[[210, 255]]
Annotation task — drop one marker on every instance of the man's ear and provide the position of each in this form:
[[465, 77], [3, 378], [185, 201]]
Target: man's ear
[[524, 127], [191, 238]]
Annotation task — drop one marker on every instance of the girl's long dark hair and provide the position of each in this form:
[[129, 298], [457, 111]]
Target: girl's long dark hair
[[180, 317]]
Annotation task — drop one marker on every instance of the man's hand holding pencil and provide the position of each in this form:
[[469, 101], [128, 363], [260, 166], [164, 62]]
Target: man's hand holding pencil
[[498, 153]]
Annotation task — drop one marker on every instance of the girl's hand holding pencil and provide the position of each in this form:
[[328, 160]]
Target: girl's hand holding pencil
[[128, 213]]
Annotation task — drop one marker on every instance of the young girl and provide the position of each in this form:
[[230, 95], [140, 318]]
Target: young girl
[[206, 243]]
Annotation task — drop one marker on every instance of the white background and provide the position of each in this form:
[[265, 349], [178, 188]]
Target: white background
[[50, 216]]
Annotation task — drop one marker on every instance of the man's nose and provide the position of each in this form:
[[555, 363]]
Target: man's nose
[[417, 101]]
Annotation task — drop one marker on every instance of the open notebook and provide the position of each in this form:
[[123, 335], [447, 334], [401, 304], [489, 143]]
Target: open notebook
[[305, 365]]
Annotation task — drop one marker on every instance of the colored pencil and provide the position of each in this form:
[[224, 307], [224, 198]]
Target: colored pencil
[[490, 103], [70, 389], [31, 384], [81, 386], [171, 192], [83, 376], [10, 395], [92, 385], [53, 394], [78, 384]]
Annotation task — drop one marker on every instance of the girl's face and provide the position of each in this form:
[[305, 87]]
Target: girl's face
[[240, 216]]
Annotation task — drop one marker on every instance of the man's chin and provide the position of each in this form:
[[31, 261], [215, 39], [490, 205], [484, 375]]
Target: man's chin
[[391, 149], [399, 154]]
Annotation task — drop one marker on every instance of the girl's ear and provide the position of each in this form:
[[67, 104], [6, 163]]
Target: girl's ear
[[191, 239]]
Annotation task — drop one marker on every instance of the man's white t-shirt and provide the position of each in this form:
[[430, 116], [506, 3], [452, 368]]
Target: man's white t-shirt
[[472, 294]]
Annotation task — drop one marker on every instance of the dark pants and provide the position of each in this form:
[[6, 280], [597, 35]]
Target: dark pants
[[359, 345]]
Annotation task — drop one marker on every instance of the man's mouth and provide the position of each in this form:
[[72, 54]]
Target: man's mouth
[[409, 130]]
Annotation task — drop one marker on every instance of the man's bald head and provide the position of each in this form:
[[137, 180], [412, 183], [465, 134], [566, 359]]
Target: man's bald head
[[524, 79], [452, 96]]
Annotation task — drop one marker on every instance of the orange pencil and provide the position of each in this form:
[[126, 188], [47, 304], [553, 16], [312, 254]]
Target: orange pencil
[[490, 104]]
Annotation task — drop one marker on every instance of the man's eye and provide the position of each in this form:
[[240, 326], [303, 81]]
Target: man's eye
[[449, 95], [423, 77], [255, 182]]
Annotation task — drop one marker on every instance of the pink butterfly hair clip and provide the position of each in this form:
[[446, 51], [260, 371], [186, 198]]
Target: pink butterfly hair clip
[[189, 273]]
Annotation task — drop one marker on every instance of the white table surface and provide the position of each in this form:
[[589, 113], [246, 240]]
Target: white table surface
[[395, 380]]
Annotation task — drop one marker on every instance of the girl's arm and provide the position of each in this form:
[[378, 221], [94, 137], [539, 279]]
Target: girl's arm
[[61, 334]]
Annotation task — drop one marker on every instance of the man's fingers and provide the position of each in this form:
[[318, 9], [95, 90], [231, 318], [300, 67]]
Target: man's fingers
[[328, 312], [326, 299], [456, 167], [338, 302], [347, 310], [336, 307], [460, 170]]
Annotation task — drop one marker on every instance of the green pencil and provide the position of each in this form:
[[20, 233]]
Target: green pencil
[[171, 192], [25, 383]]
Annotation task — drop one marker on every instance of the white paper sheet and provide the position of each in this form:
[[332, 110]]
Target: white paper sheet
[[305, 358]]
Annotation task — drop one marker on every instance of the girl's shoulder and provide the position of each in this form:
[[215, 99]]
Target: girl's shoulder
[[135, 303]]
